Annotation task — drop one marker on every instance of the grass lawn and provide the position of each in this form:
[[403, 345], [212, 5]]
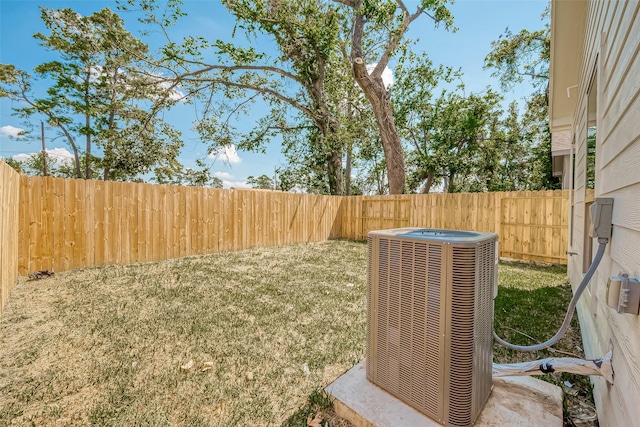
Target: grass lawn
[[227, 339]]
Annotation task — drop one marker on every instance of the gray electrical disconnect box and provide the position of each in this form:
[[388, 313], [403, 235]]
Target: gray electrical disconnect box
[[601, 212]]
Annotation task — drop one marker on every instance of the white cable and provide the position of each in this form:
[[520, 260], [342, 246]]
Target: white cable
[[601, 367], [602, 244]]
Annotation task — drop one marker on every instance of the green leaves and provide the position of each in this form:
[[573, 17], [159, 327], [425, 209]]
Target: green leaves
[[102, 91], [262, 182], [238, 55], [12, 81], [514, 57], [439, 12], [454, 138]]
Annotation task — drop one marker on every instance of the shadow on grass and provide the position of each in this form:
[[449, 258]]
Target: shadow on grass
[[318, 402], [539, 313]]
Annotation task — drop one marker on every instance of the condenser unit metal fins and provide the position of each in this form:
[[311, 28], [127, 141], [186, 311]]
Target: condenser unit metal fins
[[430, 318]]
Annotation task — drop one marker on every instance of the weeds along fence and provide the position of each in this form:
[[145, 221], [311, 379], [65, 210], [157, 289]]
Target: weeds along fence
[[61, 224], [9, 193]]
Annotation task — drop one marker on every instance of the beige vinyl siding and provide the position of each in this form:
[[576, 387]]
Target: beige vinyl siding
[[612, 50]]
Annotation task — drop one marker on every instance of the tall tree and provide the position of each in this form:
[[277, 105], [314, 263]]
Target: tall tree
[[17, 86], [536, 122], [306, 33], [514, 58], [414, 111], [291, 83], [460, 135], [512, 151], [304, 151], [452, 137], [386, 22], [97, 94]]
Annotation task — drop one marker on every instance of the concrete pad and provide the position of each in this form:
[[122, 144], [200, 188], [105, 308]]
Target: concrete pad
[[514, 401]]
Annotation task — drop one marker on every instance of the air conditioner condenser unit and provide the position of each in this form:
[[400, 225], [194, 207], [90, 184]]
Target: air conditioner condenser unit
[[430, 319]]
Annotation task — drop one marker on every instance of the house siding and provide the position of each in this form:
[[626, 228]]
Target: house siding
[[612, 51]]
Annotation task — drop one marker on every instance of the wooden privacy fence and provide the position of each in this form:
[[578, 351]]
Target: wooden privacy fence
[[68, 223], [62, 224], [532, 225]]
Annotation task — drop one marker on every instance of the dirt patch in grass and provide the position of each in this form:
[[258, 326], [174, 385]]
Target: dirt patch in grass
[[247, 338]]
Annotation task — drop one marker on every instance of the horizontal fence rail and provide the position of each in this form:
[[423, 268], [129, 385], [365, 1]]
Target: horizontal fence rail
[[61, 224]]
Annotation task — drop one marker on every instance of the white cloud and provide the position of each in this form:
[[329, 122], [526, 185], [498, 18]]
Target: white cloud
[[21, 157], [223, 175], [11, 131], [59, 155], [174, 94], [227, 154], [235, 184]]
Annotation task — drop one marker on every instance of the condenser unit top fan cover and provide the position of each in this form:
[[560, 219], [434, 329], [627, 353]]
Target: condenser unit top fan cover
[[430, 319], [449, 236]]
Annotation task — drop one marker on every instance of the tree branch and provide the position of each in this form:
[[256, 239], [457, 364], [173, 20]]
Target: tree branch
[[54, 120], [264, 91], [394, 41], [246, 101], [350, 3]]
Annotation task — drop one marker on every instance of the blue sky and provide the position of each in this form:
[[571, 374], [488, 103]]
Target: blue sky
[[479, 23]]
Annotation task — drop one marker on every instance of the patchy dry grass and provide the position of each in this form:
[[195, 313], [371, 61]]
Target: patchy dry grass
[[247, 338], [106, 346]]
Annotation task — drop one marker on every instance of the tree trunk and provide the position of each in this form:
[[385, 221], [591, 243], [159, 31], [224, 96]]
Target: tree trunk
[[44, 150], [347, 173], [379, 97], [76, 156], [334, 171], [87, 157], [428, 184], [450, 186]]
